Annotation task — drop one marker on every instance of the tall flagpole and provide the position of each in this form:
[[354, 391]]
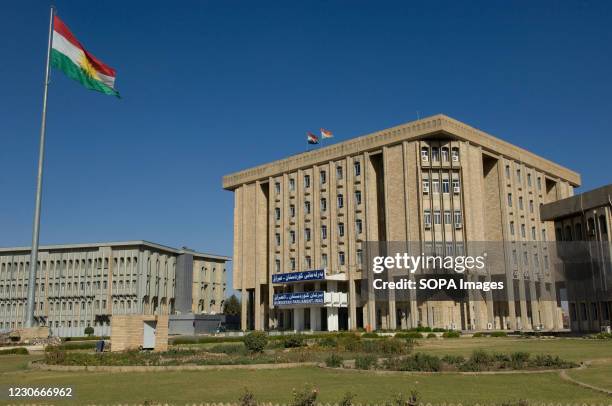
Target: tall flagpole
[[29, 322]]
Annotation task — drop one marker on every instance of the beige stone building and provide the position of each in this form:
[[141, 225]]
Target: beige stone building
[[582, 230], [435, 181], [81, 285]]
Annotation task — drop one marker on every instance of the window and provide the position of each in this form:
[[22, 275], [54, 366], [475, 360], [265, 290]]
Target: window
[[435, 184], [509, 199], [323, 204], [292, 236], [324, 232], [523, 231], [444, 154], [508, 171], [357, 167], [435, 154], [578, 228], [546, 261], [529, 179], [277, 187], [341, 258], [277, 213], [520, 202], [323, 176], [307, 234], [447, 217], [437, 217], [339, 172], [445, 186], [291, 184], [518, 175], [359, 255], [292, 210], [292, 263], [525, 258], [425, 186], [531, 206], [539, 182], [358, 226], [340, 201], [306, 181], [427, 218], [455, 154], [278, 240], [341, 229], [514, 258], [307, 207], [425, 154], [456, 187], [533, 233], [308, 262], [357, 197], [543, 234], [603, 228], [324, 260], [458, 219]]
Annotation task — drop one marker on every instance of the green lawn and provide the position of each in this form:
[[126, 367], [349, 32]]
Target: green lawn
[[277, 385]]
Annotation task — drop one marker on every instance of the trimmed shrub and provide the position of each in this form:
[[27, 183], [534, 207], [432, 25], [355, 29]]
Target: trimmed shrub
[[328, 342], [439, 330], [416, 362], [478, 335], [518, 359], [409, 334], [14, 351], [451, 334], [247, 398], [453, 359], [432, 335], [294, 341], [89, 331], [370, 335], [365, 361], [499, 334], [333, 361], [229, 349], [256, 341], [347, 399]]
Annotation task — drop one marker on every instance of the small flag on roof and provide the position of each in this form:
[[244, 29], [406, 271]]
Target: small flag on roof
[[312, 139], [326, 133]]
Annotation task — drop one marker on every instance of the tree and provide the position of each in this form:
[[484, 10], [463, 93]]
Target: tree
[[231, 307], [89, 330]]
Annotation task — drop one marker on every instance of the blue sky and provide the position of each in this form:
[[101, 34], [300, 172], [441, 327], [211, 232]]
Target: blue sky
[[201, 78]]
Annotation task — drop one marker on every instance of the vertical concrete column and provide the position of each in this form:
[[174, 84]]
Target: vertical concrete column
[[332, 312], [244, 297], [512, 324], [524, 321], [298, 313], [352, 302], [490, 307], [535, 314], [315, 313]]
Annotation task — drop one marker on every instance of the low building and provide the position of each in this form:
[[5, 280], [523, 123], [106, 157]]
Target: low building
[[81, 285], [582, 230]]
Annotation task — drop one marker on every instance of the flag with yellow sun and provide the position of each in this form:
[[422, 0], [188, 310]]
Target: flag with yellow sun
[[68, 55]]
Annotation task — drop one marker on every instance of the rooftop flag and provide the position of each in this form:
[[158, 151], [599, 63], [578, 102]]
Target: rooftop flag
[[326, 133], [312, 139], [77, 63]]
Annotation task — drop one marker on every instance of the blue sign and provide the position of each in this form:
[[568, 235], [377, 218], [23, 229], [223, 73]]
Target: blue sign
[[292, 277], [299, 298]]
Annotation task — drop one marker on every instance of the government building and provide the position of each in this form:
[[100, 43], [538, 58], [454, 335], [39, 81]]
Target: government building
[[302, 226], [582, 230], [81, 285]]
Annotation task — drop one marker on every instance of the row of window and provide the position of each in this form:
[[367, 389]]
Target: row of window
[[323, 205], [435, 186], [536, 259], [307, 232], [524, 232], [521, 206], [440, 154], [519, 177], [324, 261], [577, 235], [322, 177], [450, 217]]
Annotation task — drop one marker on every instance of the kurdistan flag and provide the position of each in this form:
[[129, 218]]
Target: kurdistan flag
[[68, 55]]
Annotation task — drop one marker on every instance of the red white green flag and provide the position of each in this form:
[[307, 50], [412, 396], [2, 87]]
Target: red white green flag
[[68, 55]]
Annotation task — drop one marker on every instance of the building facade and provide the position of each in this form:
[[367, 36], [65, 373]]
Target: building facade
[[582, 230], [434, 181], [81, 285]]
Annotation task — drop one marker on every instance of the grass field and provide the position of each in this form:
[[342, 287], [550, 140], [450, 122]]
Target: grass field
[[277, 385]]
